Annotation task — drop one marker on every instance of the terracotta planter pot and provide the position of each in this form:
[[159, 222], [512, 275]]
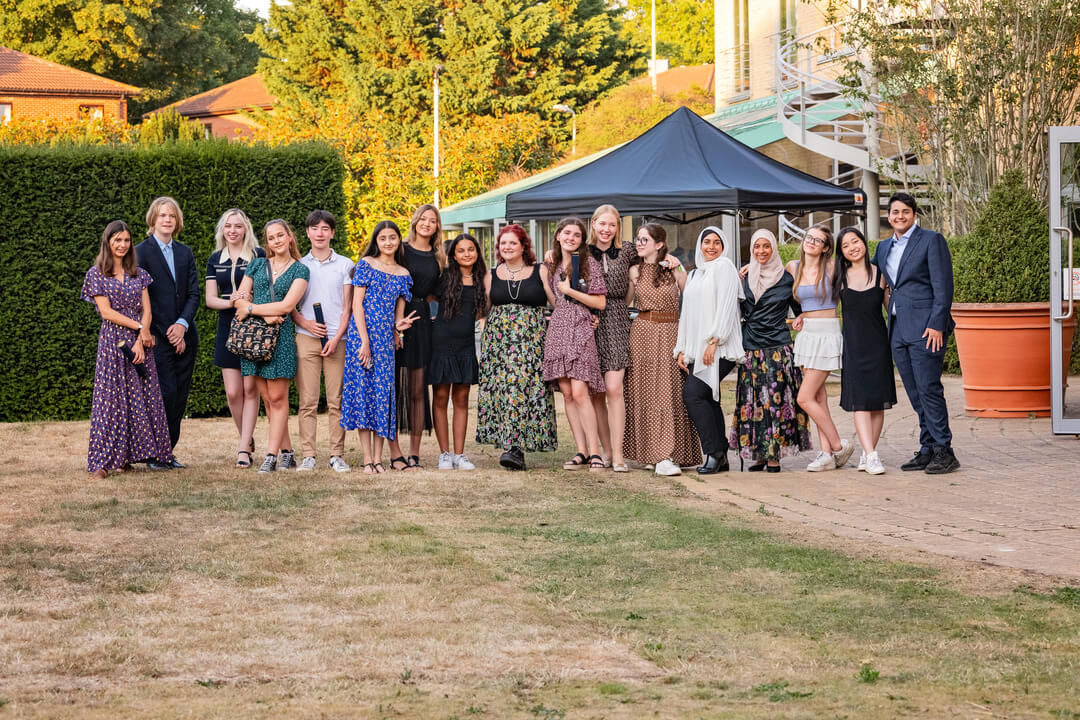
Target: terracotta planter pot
[[1004, 353]]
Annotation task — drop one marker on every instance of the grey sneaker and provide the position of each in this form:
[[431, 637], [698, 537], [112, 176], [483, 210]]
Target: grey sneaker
[[286, 460], [823, 461], [842, 455], [461, 462], [307, 464], [269, 464], [446, 461], [338, 464]]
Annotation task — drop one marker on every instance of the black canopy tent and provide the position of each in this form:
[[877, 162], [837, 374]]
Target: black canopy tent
[[683, 165]]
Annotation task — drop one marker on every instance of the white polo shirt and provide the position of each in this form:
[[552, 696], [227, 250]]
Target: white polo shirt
[[325, 286]]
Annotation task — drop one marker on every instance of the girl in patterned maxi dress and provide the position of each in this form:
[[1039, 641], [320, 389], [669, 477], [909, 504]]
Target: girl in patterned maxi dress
[[570, 356], [127, 415], [381, 287], [273, 377]]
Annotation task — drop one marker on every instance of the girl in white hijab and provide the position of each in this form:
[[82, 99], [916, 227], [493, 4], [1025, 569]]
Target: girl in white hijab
[[709, 342]]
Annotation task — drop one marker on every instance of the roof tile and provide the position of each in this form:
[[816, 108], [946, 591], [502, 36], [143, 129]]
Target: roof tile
[[243, 94], [22, 73]]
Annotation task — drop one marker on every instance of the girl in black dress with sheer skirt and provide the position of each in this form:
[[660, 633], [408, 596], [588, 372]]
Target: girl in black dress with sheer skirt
[[867, 384], [424, 259]]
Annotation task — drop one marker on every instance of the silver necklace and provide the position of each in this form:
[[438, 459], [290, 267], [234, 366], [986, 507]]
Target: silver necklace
[[514, 290]]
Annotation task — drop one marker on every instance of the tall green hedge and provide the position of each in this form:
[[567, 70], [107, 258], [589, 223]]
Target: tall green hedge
[[54, 204]]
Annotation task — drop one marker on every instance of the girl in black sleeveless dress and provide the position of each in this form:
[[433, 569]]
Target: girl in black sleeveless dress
[[867, 384]]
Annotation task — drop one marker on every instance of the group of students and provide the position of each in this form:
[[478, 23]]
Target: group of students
[[645, 390]]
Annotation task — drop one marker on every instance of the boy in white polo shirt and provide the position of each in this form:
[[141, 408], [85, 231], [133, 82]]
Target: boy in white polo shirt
[[320, 346]]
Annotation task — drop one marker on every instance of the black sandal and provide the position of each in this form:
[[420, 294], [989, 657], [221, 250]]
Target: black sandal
[[596, 464], [379, 469], [373, 470], [243, 463], [414, 462], [575, 463], [399, 459]]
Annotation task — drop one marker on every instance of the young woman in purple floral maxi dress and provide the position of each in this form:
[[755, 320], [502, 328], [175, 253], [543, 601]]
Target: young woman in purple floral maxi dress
[[127, 416]]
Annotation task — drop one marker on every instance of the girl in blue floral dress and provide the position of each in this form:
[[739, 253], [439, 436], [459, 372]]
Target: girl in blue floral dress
[[382, 287]]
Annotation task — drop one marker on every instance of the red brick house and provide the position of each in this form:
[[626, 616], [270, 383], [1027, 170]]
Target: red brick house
[[221, 110], [32, 88]]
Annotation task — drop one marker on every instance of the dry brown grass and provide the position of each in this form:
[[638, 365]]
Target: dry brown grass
[[216, 592]]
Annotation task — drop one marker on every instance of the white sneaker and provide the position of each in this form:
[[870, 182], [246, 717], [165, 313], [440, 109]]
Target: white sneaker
[[823, 461], [446, 461], [862, 462], [461, 462], [338, 464], [307, 464], [873, 465], [842, 455], [667, 468]]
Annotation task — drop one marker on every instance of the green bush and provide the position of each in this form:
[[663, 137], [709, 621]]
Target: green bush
[[54, 203], [1006, 258]]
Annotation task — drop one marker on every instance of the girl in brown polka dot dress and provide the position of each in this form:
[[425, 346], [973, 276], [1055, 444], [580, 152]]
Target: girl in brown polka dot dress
[[658, 429]]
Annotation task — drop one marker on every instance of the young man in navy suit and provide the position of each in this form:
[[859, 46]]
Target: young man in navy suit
[[917, 265], [174, 297]]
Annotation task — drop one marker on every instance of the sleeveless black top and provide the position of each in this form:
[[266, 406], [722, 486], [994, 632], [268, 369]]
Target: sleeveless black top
[[527, 291]]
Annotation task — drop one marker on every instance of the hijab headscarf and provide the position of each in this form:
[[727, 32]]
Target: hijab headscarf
[[710, 310], [763, 277]]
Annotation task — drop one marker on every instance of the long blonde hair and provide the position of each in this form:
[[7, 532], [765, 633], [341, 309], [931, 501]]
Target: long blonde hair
[[436, 238], [823, 284], [247, 249], [294, 251], [604, 210]]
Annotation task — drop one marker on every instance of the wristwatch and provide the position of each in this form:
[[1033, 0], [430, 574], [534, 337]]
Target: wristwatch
[[251, 308]]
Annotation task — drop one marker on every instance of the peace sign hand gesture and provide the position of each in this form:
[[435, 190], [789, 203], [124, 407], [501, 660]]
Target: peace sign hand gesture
[[406, 322]]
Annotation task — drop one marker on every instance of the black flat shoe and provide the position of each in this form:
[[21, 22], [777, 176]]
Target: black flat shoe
[[756, 468], [513, 459], [772, 468], [155, 465], [176, 465], [714, 464]]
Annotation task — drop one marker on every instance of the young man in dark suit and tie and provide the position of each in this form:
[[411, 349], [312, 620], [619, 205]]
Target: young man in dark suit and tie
[[918, 268], [174, 297]]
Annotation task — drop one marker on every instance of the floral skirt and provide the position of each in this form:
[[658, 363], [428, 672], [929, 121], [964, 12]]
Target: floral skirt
[[768, 423], [514, 404]]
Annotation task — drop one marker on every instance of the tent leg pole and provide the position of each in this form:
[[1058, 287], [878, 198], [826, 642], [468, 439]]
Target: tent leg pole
[[730, 225]]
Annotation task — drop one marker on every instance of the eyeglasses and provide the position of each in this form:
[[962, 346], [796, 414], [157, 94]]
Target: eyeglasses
[[812, 240], [643, 239]]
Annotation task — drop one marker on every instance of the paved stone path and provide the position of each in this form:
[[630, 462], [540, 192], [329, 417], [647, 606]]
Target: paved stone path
[[1015, 500]]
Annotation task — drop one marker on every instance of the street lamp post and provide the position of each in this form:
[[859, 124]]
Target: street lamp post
[[435, 144], [573, 125], [652, 66]]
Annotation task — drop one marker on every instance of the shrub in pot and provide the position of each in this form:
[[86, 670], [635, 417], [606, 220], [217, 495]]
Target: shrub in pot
[[1001, 305]]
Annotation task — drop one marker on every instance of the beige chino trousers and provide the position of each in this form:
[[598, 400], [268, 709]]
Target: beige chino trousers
[[311, 369]]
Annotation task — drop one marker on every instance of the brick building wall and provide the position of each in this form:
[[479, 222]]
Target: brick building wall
[[62, 107]]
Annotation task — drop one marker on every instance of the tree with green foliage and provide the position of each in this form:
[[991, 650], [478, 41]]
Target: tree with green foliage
[[170, 48], [684, 29], [626, 112], [497, 56]]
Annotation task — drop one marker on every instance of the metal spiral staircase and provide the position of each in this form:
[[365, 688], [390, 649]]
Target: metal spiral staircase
[[821, 109]]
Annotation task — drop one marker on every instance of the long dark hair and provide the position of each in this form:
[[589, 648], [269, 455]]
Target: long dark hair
[[663, 275], [451, 299], [842, 263], [104, 262], [582, 251], [373, 246]]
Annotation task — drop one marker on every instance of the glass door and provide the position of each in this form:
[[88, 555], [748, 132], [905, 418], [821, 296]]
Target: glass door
[[1064, 275]]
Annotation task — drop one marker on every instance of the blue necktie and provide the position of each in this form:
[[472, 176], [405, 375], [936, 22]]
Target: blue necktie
[[167, 252]]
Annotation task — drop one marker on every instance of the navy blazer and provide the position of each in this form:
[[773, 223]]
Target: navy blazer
[[922, 291], [171, 300]]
